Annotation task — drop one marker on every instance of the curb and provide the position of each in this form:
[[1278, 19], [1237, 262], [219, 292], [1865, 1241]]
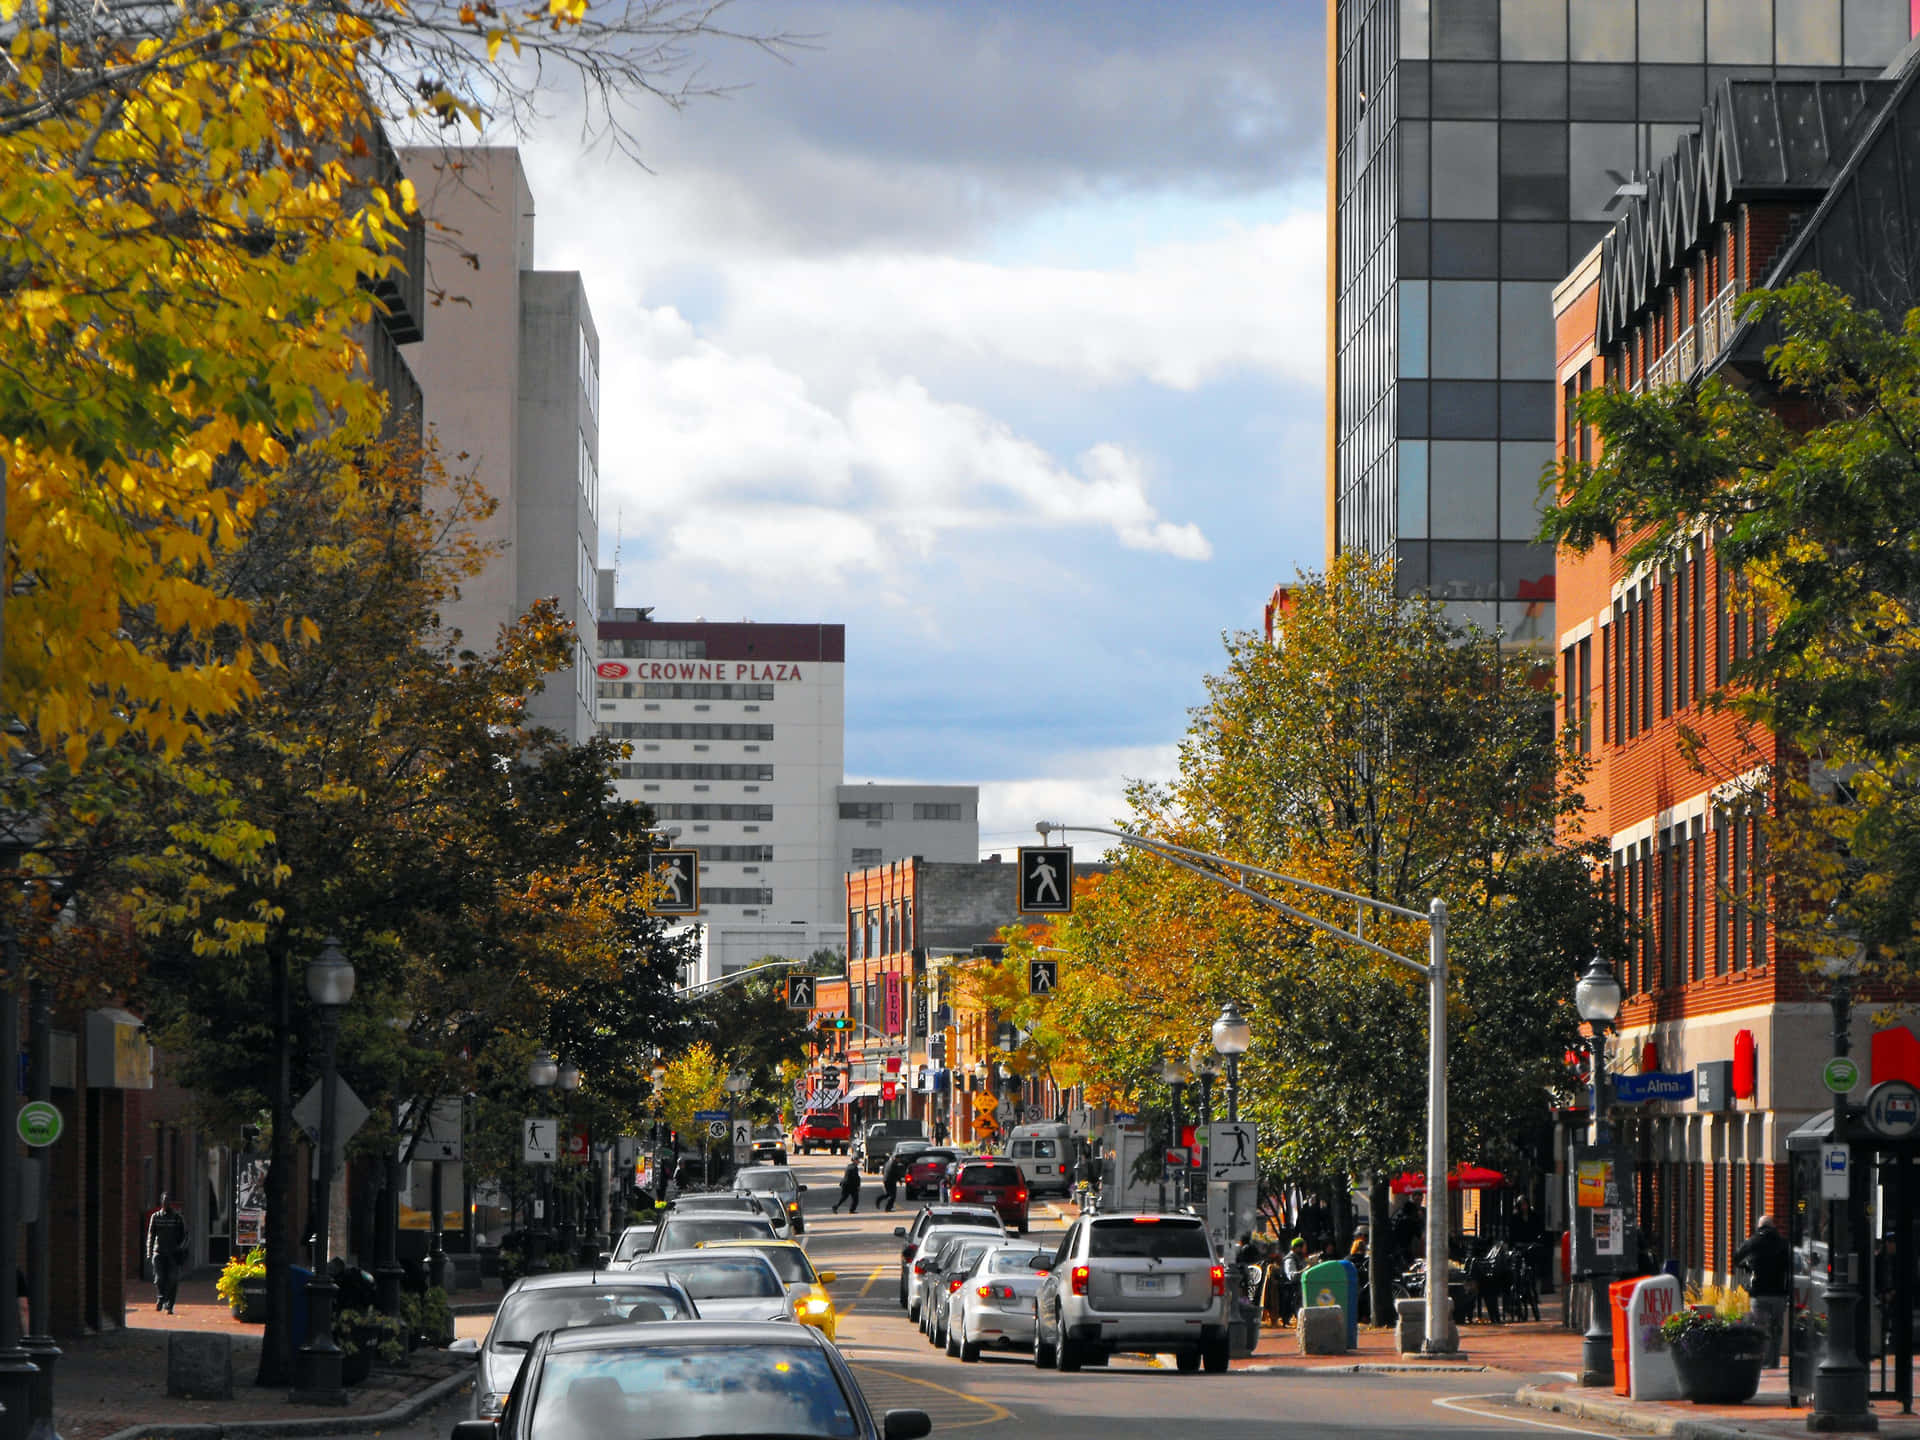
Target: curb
[[1628, 1415], [1362, 1367], [408, 1409]]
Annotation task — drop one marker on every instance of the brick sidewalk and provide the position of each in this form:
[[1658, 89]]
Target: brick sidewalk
[[1533, 1348], [115, 1381]]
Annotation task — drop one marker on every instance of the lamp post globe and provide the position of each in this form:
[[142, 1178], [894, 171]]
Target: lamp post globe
[[1232, 1035], [330, 976], [544, 1072], [567, 1076], [1597, 997]]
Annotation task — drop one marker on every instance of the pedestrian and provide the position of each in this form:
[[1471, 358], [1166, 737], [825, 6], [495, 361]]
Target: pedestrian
[[1768, 1259], [166, 1252], [939, 1130], [849, 1189], [1292, 1269], [890, 1176]]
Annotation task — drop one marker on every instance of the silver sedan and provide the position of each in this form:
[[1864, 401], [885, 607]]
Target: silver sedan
[[993, 1306]]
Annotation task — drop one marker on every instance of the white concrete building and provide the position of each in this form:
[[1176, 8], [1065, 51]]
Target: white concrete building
[[738, 739]]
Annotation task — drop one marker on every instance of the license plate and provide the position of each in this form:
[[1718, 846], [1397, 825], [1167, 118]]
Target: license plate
[[1143, 1284]]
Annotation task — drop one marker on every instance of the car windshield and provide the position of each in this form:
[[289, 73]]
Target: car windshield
[[777, 1182], [989, 1175], [527, 1315], [683, 1232], [965, 1254], [1013, 1262], [930, 1156], [984, 1218], [632, 1242], [667, 1392], [724, 1277], [713, 1202], [789, 1263], [1147, 1240]]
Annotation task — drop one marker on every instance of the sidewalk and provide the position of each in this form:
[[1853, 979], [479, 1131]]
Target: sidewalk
[[1766, 1414], [1534, 1347], [116, 1382]]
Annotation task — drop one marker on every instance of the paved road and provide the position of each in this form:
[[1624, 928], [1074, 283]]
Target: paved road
[[1005, 1398]]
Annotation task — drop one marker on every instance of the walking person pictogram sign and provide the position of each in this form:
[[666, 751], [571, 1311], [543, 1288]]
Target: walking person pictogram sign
[[677, 872], [1046, 880]]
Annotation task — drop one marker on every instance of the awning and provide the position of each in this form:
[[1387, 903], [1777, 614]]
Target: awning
[[865, 1090], [1464, 1177]]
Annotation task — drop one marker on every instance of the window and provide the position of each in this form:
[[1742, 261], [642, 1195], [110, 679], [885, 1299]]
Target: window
[[736, 852], [626, 649], [713, 812], [589, 476], [589, 375], [735, 895], [583, 675], [864, 857], [864, 809], [586, 579], [630, 770], [939, 812], [671, 730], [1585, 693]]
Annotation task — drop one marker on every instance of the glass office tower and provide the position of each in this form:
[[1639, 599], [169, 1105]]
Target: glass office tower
[[1477, 147]]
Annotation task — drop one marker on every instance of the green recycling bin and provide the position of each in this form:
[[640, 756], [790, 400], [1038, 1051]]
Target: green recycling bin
[[1331, 1282]]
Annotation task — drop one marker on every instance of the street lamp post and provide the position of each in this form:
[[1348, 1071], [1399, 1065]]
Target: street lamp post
[[567, 1080], [1597, 999], [1174, 1075], [1232, 1038], [737, 1083], [1841, 1382], [18, 1374], [1201, 1062], [317, 1365], [659, 1169], [543, 1073]]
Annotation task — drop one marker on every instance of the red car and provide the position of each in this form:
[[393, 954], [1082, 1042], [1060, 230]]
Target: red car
[[927, 1171], [823, 1130], [994, 1181]]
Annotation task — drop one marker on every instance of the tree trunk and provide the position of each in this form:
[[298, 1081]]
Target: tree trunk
[[276, 1345], [1340, 1215], [1379, 1252]]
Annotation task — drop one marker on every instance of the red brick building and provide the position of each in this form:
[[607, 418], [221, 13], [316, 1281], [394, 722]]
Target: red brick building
[[1784, 176]]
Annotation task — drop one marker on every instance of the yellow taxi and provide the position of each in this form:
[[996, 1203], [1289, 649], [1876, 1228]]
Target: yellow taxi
[[808, 1286]]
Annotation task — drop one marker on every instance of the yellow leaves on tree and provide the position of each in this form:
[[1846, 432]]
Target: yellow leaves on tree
[[695, 1080], [183, 258]]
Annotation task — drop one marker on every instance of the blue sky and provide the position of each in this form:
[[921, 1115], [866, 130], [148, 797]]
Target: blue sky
[[992, 330]]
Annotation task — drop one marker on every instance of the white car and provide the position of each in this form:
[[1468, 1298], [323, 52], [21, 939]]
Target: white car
[[993, 1305], [725, 1284], [929, 1251]]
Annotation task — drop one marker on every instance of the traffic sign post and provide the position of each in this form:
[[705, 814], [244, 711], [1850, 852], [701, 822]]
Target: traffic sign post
[[742, 1142], [676, 874], [1232, 1152], [1046, 879], [717, 1129], [1042, 976], [1893, 1109], [539, 1140], [800, 992]]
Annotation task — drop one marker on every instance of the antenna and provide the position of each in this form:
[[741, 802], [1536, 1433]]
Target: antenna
[[618, 535]]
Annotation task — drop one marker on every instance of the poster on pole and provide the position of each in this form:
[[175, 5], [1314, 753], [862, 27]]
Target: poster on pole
[[1604, 1212]]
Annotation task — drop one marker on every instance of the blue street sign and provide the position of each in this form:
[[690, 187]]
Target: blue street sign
[[1655, 1085], [711, 1115]]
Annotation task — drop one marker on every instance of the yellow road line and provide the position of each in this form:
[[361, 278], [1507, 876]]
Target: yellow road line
[[872, 1280], [997, 1412]]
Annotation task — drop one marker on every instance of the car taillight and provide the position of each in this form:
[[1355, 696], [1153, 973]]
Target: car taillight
[[1063, 1169], [1020, 1196], [919, 1267], [953, 1284], [1219, 1279], [1080, 1279], [995, 1292]]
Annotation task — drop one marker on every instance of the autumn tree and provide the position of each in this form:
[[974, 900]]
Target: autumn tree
[[1807, 485]]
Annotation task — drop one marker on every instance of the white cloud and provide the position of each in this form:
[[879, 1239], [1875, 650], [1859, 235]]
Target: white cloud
[[1085, 788]]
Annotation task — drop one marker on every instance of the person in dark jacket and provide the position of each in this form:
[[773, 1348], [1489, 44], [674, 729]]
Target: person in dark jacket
[[849, 1189], [1769, 1260], [890, 1176], [166, 1252]]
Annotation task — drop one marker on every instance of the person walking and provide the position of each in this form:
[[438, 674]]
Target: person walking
[[939, 1130], [166, 1252], [1768, 1259], [849, 1189], [890, 1176]]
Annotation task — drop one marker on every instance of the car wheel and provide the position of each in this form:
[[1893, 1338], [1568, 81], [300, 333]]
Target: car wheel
[[1069, 1356], [1215, 1356], [913, 1311], [1023, 1227], [1187, 1361], [953, 1343], [969, 1352], [1044, 1354]]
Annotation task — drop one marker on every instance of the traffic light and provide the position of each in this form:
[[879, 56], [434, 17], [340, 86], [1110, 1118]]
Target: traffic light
[[840, 1022]]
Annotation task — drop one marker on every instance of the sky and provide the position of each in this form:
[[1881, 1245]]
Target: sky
[[994, 331]]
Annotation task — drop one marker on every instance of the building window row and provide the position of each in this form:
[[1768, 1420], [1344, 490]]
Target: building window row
[[661, 690], [623, 648], [712, 812], [683, 730], [583, 675], [939, 811], [866, 810], [880, 930], [735, 895], [589, 375], [863, 857], [754, 853], [650, 770], [589, 476], [1696, 898]]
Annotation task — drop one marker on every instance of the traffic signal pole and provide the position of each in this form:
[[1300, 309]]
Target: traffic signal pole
[[1441, 1336]]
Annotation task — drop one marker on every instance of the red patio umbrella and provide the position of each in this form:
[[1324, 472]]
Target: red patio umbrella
[[1464, 1177]]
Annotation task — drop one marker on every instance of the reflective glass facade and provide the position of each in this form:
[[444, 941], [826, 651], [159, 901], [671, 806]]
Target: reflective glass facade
[[1477, 146]]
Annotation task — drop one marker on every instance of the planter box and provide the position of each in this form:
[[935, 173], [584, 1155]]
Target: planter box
[[253, 1302], [1721, 1367]]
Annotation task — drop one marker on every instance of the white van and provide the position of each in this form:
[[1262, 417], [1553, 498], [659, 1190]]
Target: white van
[[1044, 1154]]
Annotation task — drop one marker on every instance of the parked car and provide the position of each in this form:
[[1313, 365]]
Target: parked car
[[725, 1284], [683, 1232], [979, 1216], [779, 1182], [538, 1303], [827, 1130], [879, 1138], [990, 1181], [706, 1379], [1133, 1282], [812, 1305], [634, 1241], [1044, 1153], [950, 1263], [738, 1202], [927, 1171], [993, 1303], [694, 1171]]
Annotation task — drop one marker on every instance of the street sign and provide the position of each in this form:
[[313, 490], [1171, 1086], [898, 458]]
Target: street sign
[[1046, 879], [742, 1142], [348, 1116], [1836, 1181], [717, 1129], [888, 1089], [439, 1137], [677, 872], [625, 1148], [579, 1148], [1042, 976], [1232, 1151], [539, 1140], [39, 1123], [711, 1115], [1893, 1109], [1840, 1074], [1080, 1123], [799, 992]]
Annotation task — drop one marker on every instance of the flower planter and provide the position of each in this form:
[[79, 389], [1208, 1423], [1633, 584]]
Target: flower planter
[[253, 1302], [1720, 1366]]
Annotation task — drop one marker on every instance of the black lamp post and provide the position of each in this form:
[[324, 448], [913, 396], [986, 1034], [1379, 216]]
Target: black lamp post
[[317, 1364], [1201, 1062], [1597, 999], [543, 1074], [19, 1376], [1174, 1075], [660, 1176], [1232, 1038], [567, 1081], [1841, 1382]]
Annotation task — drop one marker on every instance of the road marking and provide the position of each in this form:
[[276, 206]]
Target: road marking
[[999, 1412], [872, 1280], [1453, 1403]]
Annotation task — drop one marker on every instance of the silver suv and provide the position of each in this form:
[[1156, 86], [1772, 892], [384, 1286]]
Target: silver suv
[[1123, 1283]]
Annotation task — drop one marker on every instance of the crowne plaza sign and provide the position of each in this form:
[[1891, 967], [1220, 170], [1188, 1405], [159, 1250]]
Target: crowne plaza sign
[[698, 670]]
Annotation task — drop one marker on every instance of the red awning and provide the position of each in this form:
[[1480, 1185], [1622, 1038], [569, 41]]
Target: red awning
[[1464, 1177]]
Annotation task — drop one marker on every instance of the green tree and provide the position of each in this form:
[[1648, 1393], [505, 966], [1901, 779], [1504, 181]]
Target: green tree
[[1807, 485]]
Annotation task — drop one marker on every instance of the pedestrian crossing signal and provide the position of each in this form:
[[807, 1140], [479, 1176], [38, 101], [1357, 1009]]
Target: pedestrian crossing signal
[[799, 992], [1046, 879], [1042, 976], [676, 876]]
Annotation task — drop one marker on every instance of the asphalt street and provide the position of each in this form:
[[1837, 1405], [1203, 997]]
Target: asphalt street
[[1005, 1398]]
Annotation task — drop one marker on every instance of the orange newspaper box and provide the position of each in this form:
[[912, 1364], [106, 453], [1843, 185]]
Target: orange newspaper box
[[1620, 1296]]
